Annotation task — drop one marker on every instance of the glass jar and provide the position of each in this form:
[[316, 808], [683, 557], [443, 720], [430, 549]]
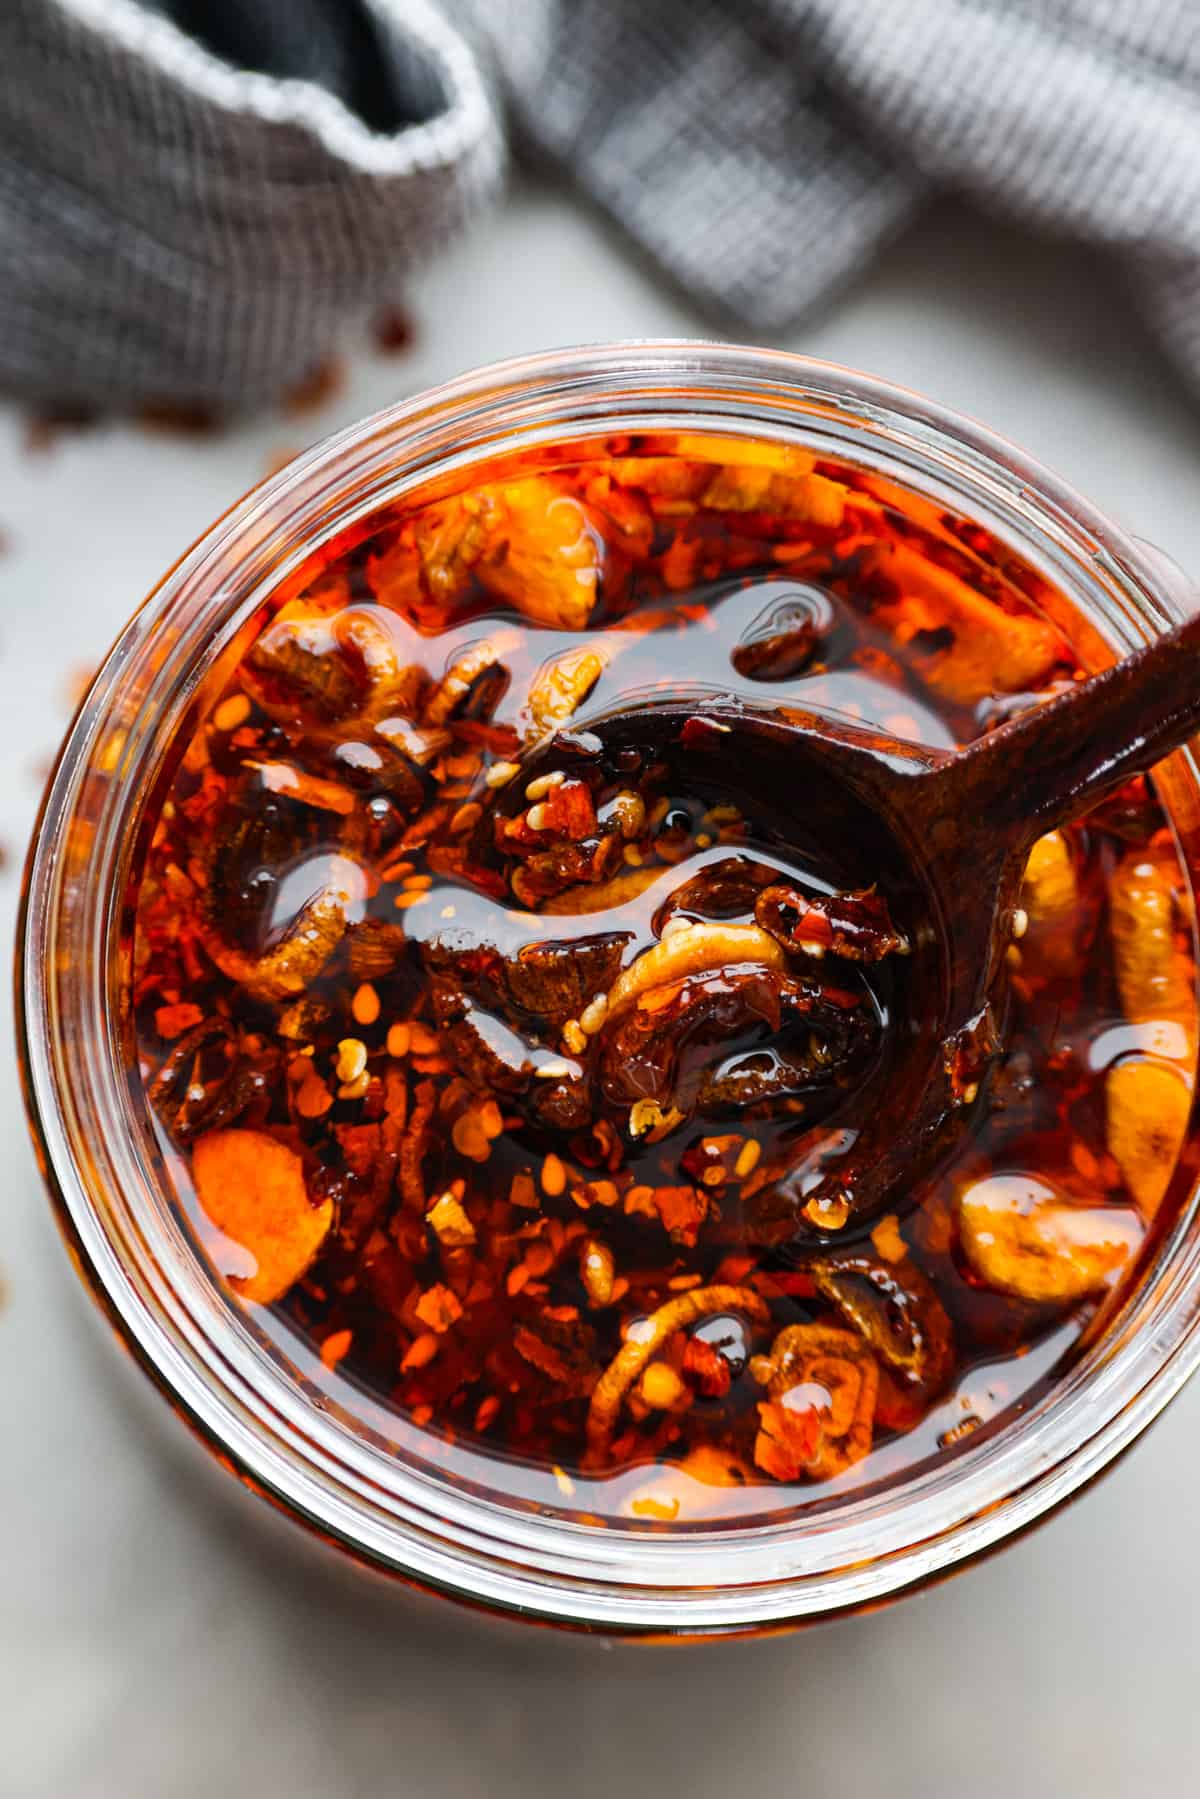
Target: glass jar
[[362, 1485]]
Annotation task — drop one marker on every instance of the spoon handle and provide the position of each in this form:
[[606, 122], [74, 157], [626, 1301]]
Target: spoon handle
[[1057, 760]]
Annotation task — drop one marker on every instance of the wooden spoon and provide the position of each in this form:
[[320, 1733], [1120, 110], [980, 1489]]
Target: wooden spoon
[[946, 835]]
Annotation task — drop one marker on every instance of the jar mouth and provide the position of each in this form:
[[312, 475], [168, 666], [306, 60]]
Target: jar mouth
[[348, 1483]]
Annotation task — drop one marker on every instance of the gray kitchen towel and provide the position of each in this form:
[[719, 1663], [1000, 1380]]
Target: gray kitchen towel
[[196, 194], [763, 150]]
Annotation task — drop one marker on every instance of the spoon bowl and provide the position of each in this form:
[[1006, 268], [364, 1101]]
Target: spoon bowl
[[944, 836]]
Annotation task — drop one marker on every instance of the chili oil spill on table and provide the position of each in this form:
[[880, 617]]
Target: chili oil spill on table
[[160, 1634]]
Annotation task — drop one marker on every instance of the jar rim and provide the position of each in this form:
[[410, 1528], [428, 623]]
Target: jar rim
[[640, 1580]]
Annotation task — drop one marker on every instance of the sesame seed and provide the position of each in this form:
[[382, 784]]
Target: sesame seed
[[500, 774], [351, 1058], [537, 790], [591, 1019]]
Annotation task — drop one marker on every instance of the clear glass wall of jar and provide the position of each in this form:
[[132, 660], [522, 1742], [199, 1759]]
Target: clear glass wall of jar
[[360, 1481]]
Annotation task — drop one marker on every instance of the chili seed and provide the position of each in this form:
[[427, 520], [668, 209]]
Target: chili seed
[[573, 1037], [232, 712], [398, 1040], [488, 1409], [466, 817], [554, 1176], [748, 1158], [365, 1004], [661, 1388], [491, 1119], [421, 1350], [335, 1346], [468, 1138]]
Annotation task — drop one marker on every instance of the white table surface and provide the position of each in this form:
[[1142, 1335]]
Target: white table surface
[[154, 1639]]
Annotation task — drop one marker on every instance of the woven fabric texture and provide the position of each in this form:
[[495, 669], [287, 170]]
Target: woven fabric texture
[[762, 150], [196, 196]]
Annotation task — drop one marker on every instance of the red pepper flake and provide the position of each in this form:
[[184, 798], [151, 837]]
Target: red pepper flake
[[320, 385], [393, 331], [173, 1021], [360, 1144], [704, 734], [682, 1210], [486, 1414], [567, 811], [791, 1286], [788, 1439], [706, 1368], [438, 1308]]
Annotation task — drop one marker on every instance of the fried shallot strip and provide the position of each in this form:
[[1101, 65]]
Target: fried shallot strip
[[1149, 1094], [412, 1148], [286, 970], [818, 1419], [693, 950], [653, 1332]]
